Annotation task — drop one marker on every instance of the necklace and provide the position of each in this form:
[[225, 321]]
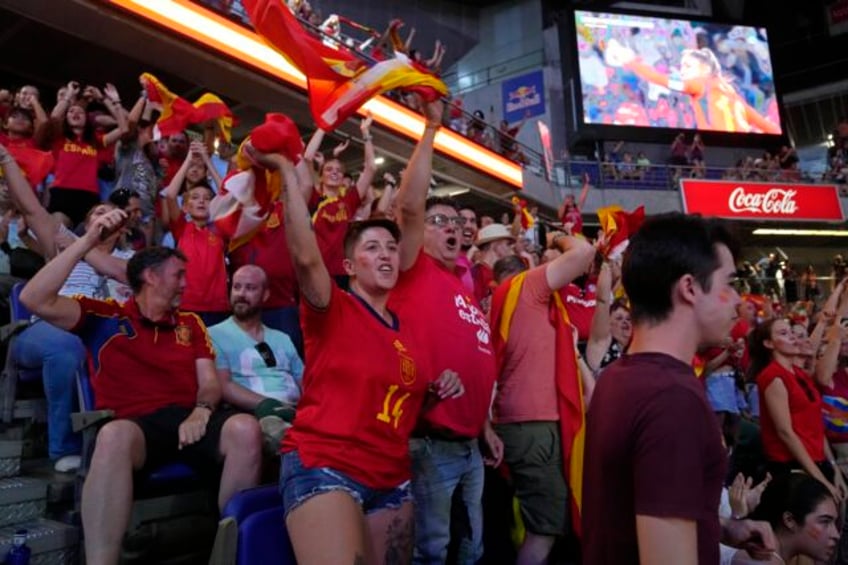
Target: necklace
[[776, 554]]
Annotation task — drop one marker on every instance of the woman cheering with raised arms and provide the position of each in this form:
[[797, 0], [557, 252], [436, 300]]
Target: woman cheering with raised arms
[[345, 462]]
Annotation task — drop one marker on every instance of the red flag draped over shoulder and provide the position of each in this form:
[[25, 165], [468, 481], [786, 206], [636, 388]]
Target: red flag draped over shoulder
[[338, 81], [570, 404], [178, 113], [248, 194]]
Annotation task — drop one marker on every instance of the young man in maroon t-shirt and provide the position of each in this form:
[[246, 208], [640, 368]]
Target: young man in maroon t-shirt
[[654, 462]]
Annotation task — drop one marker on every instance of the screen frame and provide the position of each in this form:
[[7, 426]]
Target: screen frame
[[582, 132]]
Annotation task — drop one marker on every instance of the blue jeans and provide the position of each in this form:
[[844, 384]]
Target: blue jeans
[[59, 355], [438, 468]]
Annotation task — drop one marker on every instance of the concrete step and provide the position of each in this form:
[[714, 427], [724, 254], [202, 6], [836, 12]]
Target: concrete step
[[22, 499]]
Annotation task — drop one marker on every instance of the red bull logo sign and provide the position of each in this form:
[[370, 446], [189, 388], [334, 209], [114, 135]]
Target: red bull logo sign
[[523, 96]]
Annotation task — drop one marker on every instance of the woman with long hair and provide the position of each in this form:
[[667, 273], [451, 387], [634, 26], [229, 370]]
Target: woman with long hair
[[700, 76], [791, 421], [76, 147]]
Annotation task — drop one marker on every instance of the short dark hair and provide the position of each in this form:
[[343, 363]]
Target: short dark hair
[[441, 201], [21, 111], [356, 229], [149, 258], [121, 197], [507, 267], [667, 247]]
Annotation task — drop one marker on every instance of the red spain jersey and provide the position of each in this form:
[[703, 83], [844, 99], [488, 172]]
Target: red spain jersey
[[331, 218], [268, 249], [206, 271], [138, 365], [449, 325], [362, 393], [76, 164]]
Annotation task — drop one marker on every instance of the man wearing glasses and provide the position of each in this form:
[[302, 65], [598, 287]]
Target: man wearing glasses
[[450, 326], [258, 367]]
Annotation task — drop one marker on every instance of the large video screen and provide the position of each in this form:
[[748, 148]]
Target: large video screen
[[648, 71]]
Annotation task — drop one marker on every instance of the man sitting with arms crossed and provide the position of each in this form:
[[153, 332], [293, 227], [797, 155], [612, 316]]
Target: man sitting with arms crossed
[[154, 366], [258, 367]]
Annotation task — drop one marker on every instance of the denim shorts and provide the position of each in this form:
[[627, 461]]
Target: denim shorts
[[299, 483]]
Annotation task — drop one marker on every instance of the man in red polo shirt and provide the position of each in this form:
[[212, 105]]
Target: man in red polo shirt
[[154, 366], [449, 326]]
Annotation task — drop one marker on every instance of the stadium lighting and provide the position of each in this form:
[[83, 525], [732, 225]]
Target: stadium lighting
[[801, 232], [212, 30]]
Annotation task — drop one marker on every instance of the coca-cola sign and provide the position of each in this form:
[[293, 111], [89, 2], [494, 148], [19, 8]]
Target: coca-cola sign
[[761, 200]]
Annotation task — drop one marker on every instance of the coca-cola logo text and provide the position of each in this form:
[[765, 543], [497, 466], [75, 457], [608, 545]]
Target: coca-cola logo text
[[776, 201]]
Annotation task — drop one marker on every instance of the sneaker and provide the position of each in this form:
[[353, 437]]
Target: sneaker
[[67, 464]]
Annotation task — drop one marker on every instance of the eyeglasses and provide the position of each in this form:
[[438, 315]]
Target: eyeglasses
[[442, 220], [267, 355]]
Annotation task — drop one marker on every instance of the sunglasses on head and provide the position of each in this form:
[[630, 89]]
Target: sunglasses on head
[[267, 354]]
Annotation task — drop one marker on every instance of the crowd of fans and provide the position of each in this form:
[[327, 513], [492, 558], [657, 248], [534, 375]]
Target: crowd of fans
[[318, 347]]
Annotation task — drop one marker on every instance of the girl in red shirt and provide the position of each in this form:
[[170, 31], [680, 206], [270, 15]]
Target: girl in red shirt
[[791, 420], [345, 463], [70, 134]]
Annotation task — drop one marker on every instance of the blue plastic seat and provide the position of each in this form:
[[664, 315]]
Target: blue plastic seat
[[170, 477], [260, 518]]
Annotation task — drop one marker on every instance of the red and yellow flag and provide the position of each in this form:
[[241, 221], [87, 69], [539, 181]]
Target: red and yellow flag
[[619, 225], [527, 219], [569, 385], [339, 82], [248, 195], [178, 113]]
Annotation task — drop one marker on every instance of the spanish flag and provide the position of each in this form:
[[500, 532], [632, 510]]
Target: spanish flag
[[178, 113], [572, 410], [248, 195], [339, 82], [527, 219], [619, 225]]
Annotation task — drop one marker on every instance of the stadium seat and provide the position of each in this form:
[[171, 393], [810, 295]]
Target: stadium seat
[[169, 491], [14, 372], [259, 520]]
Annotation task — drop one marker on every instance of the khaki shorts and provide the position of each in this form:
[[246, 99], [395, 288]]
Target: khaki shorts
[[533, 453]]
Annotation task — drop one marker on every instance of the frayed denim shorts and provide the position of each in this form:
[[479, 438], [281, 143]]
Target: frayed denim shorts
[[299, 483]]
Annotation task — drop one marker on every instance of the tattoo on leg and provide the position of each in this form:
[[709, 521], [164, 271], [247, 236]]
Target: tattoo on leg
[[399, 539]]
